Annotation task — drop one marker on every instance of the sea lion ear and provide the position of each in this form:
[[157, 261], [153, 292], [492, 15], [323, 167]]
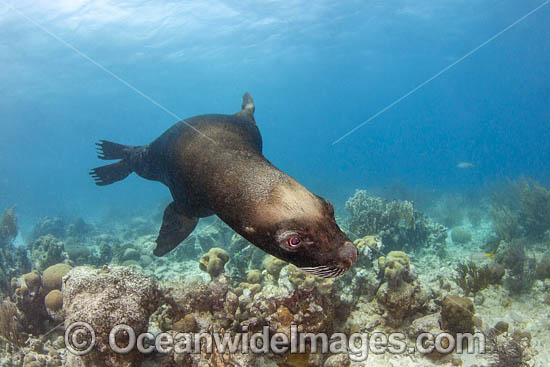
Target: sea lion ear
[[247, 108]]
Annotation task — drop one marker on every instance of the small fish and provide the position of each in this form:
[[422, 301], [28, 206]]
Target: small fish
[[464, 165], [490, 255]]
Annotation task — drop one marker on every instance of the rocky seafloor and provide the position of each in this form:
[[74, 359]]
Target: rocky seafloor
[[482, 267]]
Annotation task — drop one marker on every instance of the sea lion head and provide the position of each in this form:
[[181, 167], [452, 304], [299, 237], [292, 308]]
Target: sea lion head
[[299, 227]]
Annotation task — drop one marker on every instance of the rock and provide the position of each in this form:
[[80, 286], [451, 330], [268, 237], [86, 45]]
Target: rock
[[106, 298], [425, 324], [131, 263], [131, 254], [145, 260], [401, 293], [187, 324], [402, 302], [339, 360], [457, 314], [479, 299]]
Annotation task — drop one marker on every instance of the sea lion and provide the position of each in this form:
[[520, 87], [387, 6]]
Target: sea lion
[[213, 164]]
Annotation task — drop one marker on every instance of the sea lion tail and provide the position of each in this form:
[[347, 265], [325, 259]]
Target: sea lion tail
[[111, 173], [108, 150]]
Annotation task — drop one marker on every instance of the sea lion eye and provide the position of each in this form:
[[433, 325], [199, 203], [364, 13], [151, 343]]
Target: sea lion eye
[[293, 241]]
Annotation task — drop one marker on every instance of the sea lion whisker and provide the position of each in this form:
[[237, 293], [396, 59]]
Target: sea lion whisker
[[315, 268], [320, 273], [323, 272]]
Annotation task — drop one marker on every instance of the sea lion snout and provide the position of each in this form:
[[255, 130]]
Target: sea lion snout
[[347, 255], [336, 262]]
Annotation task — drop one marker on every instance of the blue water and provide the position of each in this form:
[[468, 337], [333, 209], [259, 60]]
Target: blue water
[[316, 71]]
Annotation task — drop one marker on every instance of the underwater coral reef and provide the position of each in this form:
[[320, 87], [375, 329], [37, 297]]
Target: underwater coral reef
[[413, 276]]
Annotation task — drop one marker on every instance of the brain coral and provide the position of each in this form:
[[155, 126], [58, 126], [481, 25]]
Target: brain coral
[[54, 274], [54, 300]]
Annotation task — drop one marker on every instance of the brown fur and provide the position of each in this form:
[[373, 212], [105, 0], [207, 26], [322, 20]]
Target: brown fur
[[232, 179]]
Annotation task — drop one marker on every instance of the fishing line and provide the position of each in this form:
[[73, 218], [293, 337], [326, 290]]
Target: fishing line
[[435, 76], [104, 69]]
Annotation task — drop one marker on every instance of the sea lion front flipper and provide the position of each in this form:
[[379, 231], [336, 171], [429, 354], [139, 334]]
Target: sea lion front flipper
[[247, 108], [176, 226]]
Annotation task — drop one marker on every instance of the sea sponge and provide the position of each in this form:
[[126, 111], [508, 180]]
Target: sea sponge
[[52, 278], [254, 276], [54, 300], [273, 265], [457, 314], [395, 267], [213, 261], [460, 235]]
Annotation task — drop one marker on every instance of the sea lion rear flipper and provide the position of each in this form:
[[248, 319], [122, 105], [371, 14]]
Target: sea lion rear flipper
[[247, 108], [176, 226], [106, 175]]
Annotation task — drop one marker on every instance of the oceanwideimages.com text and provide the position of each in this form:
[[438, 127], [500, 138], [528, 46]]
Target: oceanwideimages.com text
[[80, 339]]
